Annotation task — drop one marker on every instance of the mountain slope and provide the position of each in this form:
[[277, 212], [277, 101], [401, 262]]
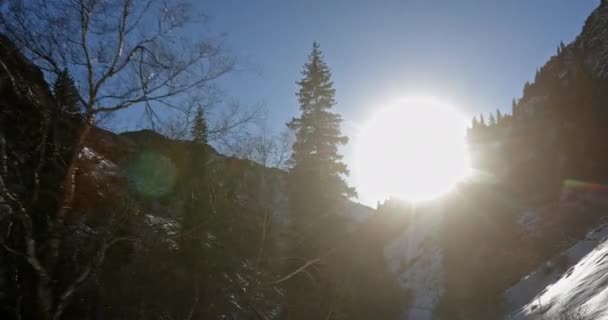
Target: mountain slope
[[545, 288], [582, 290]]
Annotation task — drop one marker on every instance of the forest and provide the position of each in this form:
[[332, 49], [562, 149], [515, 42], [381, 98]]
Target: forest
[[207, 215]]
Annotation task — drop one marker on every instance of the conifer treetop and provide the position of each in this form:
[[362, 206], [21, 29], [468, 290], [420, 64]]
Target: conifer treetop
[[199, 127], [317, 130]]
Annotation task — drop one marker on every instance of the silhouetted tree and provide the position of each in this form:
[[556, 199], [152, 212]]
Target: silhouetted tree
[[527, 87], [315, 159], [492, 120], [561, 47], [66, 94], [120, 61], [474, 123], [317, 188], [199, 129]]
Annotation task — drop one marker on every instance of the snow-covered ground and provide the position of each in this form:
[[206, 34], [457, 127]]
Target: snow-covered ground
[[416, 257], [582, 288], [102, 166], [529, 220]]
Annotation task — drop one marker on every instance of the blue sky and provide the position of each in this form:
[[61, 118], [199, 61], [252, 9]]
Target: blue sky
[[476, 54]]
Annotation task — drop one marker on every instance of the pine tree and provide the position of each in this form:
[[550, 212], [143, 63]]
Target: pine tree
[[66, 94], [317, 190], [474, 123], [498, 116], [67, 116], [482, 121], [513, 106], [315, 152], [197, 202], [561, 47], [492, 120], [199, 129], [527, 87]]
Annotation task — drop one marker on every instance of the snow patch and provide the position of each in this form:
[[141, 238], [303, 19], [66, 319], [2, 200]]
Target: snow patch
[[102, 164], [582, 285], [529, 220], [169, 226], [416, 257]]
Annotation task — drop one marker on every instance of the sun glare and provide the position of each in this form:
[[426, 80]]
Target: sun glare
[[414, 149]]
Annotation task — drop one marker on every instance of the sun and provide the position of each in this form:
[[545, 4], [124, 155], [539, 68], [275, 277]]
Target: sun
[[414, 149]]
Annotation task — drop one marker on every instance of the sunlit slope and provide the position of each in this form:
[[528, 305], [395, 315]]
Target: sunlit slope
[[582, 290]]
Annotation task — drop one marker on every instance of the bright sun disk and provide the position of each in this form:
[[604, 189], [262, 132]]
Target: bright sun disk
[[414, 150]]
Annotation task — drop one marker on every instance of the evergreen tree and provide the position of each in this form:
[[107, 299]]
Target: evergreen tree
[[492, 120], [317, 191], [197, 202], [66, 116], [527, 87], [482, 121], [66, 94], [498, 116], [315, 152], [474, 123], [199, 129]]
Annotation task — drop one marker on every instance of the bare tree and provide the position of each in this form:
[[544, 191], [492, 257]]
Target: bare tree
[[229, 124], [122, 53], [233, 123], [264, 147], [175, 128]]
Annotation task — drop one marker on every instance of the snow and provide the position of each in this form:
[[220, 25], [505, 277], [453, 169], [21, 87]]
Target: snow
[[583, 287], [594, 41], [103, 164], [416, 257], [529, 220], [169, 226]]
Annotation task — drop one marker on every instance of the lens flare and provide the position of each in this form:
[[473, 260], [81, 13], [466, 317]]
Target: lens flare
[[152, 175]]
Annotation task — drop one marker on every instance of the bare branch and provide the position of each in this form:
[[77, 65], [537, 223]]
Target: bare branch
[[93, 267], [298, 270]]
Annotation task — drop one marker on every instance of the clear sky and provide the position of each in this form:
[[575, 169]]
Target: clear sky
[[476, 54]]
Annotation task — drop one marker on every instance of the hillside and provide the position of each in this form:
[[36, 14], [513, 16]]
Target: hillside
[[96, 224], [123, 252], [571, 284], [550, 155]]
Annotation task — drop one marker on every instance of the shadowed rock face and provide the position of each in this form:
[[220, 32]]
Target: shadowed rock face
[[592, 43], [127, 176]]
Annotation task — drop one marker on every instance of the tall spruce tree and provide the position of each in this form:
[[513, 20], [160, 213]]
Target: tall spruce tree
[[513, 107], [317, 191], [492, 121], [197, 202], [474, 123], [66, 117], [196, 217], [316, 161], [66, 94], [199, 129]]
